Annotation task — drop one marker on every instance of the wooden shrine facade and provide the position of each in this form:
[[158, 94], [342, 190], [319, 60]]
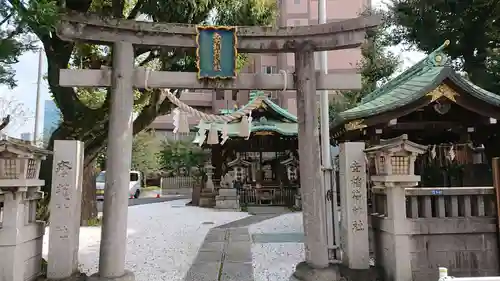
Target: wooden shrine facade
[[264, 165]]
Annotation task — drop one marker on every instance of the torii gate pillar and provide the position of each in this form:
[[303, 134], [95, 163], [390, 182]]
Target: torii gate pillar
[[316, 266], [118, 163]]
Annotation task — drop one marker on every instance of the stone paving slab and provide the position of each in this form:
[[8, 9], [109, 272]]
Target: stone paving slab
[[228, 252], [215, 235], [238, 252], [239, 237], [236, 271], [293, 237], [203, 272], [212, 247], [209, 257]]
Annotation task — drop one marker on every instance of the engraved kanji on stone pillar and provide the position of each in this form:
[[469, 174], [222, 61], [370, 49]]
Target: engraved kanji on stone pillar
[[353, 192], [65, 208]]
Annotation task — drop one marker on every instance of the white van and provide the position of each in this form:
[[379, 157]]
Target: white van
[[134, 188]]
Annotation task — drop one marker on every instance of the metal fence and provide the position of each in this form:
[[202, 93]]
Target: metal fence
[[177, 182], [267, 196]]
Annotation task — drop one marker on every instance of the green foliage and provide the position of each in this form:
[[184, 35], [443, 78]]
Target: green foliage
[[145, 148], [472, 26], [377, 66], [17, 20], [85, 112], [42, 209], [94, 222], [175, 155], [246, 12]]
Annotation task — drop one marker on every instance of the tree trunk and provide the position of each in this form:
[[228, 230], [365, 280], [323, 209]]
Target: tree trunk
[[89, 202]]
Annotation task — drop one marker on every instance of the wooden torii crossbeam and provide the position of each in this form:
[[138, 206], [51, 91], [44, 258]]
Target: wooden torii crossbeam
[[344, 34], [188, 80]]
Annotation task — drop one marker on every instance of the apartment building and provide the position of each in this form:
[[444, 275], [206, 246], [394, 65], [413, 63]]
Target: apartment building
[[293, 13]]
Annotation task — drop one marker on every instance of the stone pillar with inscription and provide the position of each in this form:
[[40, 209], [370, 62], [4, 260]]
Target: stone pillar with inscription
[[353, 192], [65, 209]]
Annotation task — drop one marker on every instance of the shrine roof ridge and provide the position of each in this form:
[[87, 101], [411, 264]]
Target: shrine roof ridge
[[278, 109], [410, 90], [343, 34], [398, 142], [20, 144]]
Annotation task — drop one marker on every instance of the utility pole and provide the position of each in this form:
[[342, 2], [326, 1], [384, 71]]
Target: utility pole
[[38, 89], [331, 210]]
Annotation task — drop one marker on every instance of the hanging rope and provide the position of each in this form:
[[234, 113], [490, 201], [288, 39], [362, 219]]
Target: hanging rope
[[212, 117], [181, 122], [285, 79]]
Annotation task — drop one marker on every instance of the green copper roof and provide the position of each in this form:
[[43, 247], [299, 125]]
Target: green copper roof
[[412, 85], [285, 125], [233, 129], [276, 108]]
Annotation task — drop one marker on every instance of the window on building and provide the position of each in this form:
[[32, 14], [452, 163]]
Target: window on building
[[297, 2], [269, 69], [234, 95], [297, 23]]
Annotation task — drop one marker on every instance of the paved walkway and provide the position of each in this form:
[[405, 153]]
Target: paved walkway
[[260, 248], [174, 242], [225, 255]]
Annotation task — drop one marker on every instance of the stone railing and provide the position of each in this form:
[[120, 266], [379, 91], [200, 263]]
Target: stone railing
[[21, 235], [453, 227], [441, 202], [443, 276]]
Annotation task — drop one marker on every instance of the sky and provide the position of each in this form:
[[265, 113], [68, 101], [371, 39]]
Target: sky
[[26, 74]]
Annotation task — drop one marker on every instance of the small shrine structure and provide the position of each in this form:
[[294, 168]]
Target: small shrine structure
[[263, 161]]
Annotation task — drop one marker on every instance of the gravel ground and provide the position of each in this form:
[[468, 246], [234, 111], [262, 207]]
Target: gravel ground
[[277, 261], [286, 223], [163, 239]]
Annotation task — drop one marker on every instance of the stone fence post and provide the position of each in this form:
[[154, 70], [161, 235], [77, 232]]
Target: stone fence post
[[394, 165]]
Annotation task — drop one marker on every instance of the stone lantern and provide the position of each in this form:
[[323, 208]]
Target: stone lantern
[[21, 234], [395, 161], [209, 170], [207, 196], [395, 170]]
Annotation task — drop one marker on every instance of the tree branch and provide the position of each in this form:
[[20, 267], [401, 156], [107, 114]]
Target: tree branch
[[6, 19], [58, 54], [135, 11], [5, 122]]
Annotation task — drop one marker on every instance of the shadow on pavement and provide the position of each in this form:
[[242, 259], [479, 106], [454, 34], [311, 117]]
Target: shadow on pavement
[[148, 200]]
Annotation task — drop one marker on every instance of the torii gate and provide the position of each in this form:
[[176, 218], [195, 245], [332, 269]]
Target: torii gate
[[303, 41]]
